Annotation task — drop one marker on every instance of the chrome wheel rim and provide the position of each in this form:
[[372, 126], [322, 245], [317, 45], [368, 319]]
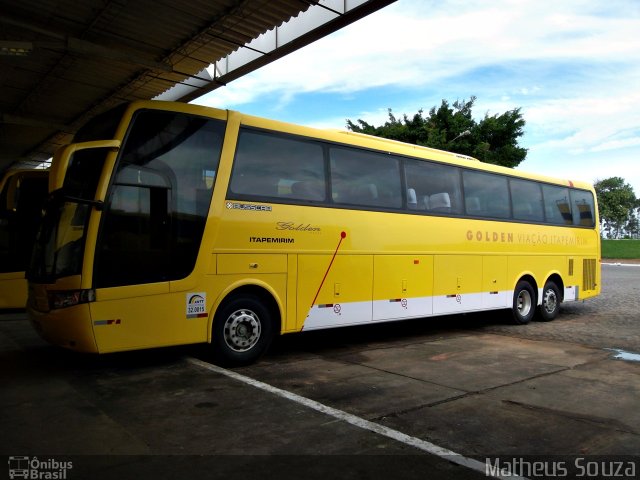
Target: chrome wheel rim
[[523, 303], [242, 330], [550, 301]]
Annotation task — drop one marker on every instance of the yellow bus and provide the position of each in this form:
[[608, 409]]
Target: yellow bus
[[22, 196], [174, 224]]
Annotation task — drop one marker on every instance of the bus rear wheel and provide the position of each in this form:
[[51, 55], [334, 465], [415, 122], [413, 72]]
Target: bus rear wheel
[[550, 304], [524, 303], [242, 330]]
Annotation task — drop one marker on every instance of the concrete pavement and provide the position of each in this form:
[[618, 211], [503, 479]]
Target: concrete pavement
[[471, 384]]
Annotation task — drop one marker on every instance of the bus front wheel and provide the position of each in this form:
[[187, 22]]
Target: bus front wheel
[[524, 303], [550, 304], [242, 330]]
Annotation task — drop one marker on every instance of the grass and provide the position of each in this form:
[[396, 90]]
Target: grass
[[620, 248]]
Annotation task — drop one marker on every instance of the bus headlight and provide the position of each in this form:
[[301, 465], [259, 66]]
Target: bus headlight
[[69, 298]]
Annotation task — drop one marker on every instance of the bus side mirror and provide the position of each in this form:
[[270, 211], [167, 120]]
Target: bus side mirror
[[14, 185], [60, 161]]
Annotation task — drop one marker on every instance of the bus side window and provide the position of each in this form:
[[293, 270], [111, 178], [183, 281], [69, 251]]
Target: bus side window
[[369, 179], [556, 205], [308, 190], [583, 211], [472, 204], [437, 187], [526, 198], [492, 192], [277, 166], [364, 194]]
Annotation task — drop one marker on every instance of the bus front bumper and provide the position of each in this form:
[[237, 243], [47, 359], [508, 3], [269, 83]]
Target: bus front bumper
[[66, 327]]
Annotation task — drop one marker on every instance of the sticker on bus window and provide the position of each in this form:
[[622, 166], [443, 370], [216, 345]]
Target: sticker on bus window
[[196, 305]]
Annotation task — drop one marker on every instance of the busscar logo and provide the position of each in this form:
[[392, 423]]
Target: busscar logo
[[35, 468], [248, 207]]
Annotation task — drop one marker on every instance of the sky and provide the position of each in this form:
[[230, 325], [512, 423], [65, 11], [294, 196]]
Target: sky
[[571, 66]]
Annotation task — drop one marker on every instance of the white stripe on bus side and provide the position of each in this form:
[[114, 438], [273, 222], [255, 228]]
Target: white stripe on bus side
[[358, 313]]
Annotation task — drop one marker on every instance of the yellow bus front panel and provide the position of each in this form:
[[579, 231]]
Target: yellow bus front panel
[[68, 327]]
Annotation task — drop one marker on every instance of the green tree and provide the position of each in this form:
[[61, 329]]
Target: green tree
[[632, 228], [494, 139], [616, 202]]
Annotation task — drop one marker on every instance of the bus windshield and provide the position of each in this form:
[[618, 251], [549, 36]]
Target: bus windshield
[[19, 222], [60, 242]]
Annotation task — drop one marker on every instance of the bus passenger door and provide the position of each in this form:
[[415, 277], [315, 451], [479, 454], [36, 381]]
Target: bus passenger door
[[334, 293], [402, 286], [146, 269]]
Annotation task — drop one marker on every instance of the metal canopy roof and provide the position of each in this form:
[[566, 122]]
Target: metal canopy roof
[[64, 61]]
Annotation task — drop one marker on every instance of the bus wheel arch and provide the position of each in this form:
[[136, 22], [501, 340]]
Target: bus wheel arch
[[525, 299], [551, 298], [244, 325]]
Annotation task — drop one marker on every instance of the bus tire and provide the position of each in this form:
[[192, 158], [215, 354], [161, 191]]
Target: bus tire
[[550, 304], [242, 330], [524, 303]]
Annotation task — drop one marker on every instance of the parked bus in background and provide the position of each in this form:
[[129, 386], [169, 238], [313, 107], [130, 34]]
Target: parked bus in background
[[22, 196], [174, 224]]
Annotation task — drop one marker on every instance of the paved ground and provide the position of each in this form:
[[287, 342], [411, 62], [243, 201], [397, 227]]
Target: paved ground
[[365, 402], [611, 320]]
